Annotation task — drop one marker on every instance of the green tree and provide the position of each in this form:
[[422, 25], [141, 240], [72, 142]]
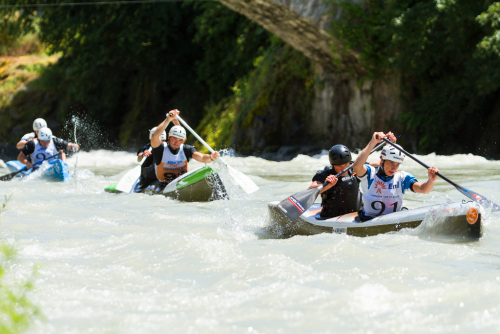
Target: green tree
[[449, 85], [125, 65]]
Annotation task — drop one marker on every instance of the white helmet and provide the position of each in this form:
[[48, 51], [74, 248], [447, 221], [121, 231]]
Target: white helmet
[[38, 124], [162, 137], [44, 134], [178, 132], [393, 154]]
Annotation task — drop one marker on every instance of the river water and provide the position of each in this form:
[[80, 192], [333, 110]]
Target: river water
[[134, 263]]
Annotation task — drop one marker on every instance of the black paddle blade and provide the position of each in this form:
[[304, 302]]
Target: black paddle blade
[[10, 176], [295, 205], [479, 198]]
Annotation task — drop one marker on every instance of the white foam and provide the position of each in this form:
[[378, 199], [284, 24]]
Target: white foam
[[104, 159]]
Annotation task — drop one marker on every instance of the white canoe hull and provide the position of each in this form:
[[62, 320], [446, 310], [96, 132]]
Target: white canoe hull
[[461, 218]]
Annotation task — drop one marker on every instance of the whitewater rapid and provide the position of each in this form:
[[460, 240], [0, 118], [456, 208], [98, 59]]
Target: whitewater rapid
[[134, 263]]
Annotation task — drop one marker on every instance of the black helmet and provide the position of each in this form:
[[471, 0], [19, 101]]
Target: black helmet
[[339, 155]]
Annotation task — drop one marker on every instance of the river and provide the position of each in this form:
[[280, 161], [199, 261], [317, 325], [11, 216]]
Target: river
[[134, 263]]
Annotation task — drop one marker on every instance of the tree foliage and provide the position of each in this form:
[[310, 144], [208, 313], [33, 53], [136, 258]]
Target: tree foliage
[[126, 64], [445, 52]]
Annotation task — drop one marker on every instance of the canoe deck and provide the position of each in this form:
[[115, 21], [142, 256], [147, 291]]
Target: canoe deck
[[460, 218]]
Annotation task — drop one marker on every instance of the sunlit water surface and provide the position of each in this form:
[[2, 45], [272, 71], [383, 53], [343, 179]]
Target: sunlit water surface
[[133, 263]]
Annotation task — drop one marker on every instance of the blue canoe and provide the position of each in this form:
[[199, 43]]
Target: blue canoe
[[57, 170]]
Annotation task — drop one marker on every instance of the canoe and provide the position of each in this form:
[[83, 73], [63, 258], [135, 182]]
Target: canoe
[[459, 218], [199, 185], [55, 170]]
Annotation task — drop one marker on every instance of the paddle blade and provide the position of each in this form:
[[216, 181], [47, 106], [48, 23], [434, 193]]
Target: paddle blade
[[479, 198], [10, 176], [295, 205], [242, 180], [129, 180]]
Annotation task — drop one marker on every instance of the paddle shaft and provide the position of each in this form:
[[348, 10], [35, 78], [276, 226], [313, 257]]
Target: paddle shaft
[[195, 134], [421, 163], [198, 137]]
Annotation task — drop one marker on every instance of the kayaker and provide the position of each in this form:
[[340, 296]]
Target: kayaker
[[384, 187], [148, 173], [171, 158], [45, 146], [37, 125], [339, 196]]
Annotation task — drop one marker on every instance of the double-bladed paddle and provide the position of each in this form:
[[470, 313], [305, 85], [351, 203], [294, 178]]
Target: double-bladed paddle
[[295, 205], [469, 193], [243, 181], [10, 176]]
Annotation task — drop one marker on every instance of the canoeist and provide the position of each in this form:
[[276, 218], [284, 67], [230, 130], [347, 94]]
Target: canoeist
[[384, 187], [171, 158], [148, 173], [339, 196], [44, 147], [37, 125]]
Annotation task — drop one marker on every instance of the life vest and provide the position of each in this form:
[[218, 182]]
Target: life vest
[[344, 197], [41, 153], [172, 165], [382, 197]]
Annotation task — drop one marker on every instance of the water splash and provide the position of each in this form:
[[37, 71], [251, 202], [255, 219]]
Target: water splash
[[75, 121], [89, 133]]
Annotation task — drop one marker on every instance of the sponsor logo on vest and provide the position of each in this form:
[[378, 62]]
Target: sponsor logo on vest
[[394, 186], [472, 216], [175, 162], [379, 185]]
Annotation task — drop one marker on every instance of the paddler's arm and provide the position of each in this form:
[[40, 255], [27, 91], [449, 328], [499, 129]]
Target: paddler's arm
[[26, 138], [62, 146], [205, 158], [359, 164], [22, 159], [21, 144], [155, 137], [426, 187]]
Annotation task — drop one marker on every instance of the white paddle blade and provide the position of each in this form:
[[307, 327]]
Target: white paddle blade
[[129, 180], [243, 181]]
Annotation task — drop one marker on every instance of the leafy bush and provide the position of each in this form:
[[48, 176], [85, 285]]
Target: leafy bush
[[17, 312]]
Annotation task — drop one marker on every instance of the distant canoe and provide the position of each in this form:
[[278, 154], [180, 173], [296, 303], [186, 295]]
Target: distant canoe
[[55, 170], [199, 185], [462, 218]]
